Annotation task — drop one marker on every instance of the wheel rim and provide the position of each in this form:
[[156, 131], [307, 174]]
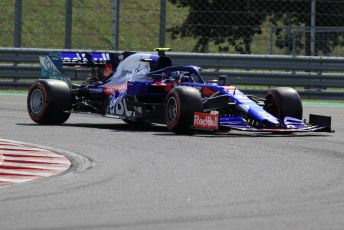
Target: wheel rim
[[172, 109], [36, 101]]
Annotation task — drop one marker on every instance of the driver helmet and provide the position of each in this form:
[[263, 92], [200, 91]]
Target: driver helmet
[[105, 71], [175, 75], [185, 78]]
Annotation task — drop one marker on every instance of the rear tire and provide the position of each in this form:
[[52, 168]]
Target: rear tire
[[49, 101], [284, 102], [180, 105]]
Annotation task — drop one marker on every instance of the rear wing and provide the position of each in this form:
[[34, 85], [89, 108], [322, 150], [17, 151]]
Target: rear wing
[[52, 66], [85, 58]]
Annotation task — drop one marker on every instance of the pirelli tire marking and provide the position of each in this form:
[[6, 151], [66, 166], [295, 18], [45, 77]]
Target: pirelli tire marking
[[22, 163]]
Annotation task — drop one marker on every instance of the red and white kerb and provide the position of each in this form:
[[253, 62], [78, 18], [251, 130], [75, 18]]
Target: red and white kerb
[[21, 163]]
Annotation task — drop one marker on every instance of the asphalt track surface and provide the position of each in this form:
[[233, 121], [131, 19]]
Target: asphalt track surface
[[152, 179]]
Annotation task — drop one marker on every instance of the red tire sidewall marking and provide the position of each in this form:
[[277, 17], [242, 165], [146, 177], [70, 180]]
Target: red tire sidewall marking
[[174, 123]]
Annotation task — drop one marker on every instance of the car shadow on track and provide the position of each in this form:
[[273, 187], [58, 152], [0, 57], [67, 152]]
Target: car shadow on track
[[114, 127], [163, 131], [121, 127], [270, 135], [237, 134]]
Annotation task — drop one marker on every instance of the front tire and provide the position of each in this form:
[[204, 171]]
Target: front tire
[[49, 101], [180, 105], [284, 102]]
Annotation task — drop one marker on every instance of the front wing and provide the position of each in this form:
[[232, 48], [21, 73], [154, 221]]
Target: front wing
[[214, 122]]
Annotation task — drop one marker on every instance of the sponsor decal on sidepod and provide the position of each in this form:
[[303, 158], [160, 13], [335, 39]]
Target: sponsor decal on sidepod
[[206, 121]]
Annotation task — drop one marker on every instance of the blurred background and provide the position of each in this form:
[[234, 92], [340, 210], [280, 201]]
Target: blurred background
[[297, 27]]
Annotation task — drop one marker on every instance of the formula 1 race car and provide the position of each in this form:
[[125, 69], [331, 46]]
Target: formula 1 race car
[[144, 88]]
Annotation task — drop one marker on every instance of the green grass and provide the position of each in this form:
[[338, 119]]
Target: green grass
[[7, 23], [43, 25]]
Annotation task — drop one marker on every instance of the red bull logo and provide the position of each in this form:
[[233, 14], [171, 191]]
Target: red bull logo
[[206, 121]]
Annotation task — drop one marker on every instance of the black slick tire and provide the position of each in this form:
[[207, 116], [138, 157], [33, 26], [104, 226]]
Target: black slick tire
[[284, 102], [49, 102], [180, 105]]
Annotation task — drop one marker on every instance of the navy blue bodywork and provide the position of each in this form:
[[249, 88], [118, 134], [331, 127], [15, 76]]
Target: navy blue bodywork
[[140, 83]]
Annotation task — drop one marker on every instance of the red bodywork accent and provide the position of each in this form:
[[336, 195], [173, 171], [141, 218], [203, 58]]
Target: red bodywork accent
[[168, 86], [110, 89], [158, 83], [207, 91], [229, 88]]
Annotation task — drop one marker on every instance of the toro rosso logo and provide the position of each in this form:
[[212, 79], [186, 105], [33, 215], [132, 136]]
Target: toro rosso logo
[[206, 121]]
